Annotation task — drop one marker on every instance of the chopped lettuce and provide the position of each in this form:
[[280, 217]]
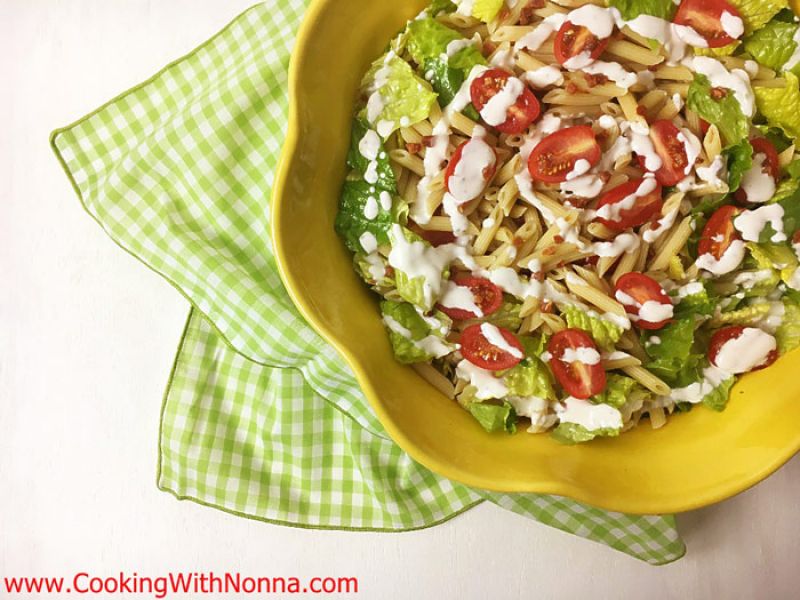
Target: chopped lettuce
[[487, 10], [605, 333], [773, 44], [507, 315], [405, 344], [494, 417], [672, 358], [572, 433], [786, 189], [725, 113], [781, 106], [740, 159], [717, 52], [773, 256], [748, 315], [618, 390], [358, 162], [788, 334], [630, 9], [757, 13], [530, 378], [717, 399], [413, 290], [439, 6], [368, 266], [427, 38], [351, 223], [700, 303], [404, 99]]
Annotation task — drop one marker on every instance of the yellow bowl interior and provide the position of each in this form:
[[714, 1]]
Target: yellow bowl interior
[[697, 459]]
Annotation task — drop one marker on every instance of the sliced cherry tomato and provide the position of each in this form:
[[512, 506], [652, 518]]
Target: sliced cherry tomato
[[771, 165], [520, 115], [704, 125], [488, 171], [642, 289], [572, 40], [642, 210], [482, 353], [725, 335], [705, 17], [719, 233], [671, 150], [556, 155], [487, 296], [579, 379]]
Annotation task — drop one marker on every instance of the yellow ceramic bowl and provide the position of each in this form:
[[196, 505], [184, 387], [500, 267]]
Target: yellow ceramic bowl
[[696, 460]]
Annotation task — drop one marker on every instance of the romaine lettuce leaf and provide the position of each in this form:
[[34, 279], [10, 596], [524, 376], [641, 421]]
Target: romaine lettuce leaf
[[439, 6], [717, 399], [788, 334], [672, 358], [604, 333], [369, 269], [351, 223], [493, 417], [618, 390], [404, 98], [357, 161], [487, 10], [701, 303], [530, 378], [405, 344], [725, 113], [773, 256], [740, 159], [572, 433], [427, 39], [756, 13], [773, 44], [781, 106], [630, 9], [785, 189], [507, 315], [749, 315]]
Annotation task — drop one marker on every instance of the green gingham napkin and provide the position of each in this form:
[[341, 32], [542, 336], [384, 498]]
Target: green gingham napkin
[[261, 417]]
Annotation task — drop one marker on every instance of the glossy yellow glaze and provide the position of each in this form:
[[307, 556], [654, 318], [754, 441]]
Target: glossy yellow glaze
[[696, 460]]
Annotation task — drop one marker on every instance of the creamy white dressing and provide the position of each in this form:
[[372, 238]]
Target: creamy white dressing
[[510, 282], [614, 71], [580, 167], [730, 259], [758, 185], [544, 76], [495, 337], [461, 298], [746, 352], [639, 136], [430, 344], [752, 222], [386, 201], [468, 180], [580, 61], [435, 155], [495, 111], [736, 80], [371, 208], [534, 39], [654, 312], [692, 147], [731, 24], [589, 416], [623, 243], [710, 174], [536, 409], [584, 186], [652, 234], [375, 266], [690, 289], [368, 242], [794, 59], [587, 356], [750, 279], [487, 386], [613, 212], [694, 393]]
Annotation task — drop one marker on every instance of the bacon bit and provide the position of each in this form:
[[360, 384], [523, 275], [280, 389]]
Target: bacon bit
[[601, 136], [605, 176], [641, 111], [389, 272], [549, 251], [589, 261], [527, 16], [653, 68], [504, 14], [489, 47], [571, 88], [653, 225], [718, 93], [796, 238], [517, 242], [558, 239], [414, 148], [538, 276], [487, 173], [561, 265], [546, 307], [593, 80], [428, 141]]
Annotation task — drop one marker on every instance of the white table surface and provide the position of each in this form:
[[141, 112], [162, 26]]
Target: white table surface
[[87, 337]]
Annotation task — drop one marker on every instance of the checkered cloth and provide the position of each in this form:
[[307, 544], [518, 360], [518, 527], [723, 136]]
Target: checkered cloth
[[261, 417]]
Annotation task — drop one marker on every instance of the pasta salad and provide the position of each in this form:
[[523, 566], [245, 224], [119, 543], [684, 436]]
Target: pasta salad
[[578, 213]]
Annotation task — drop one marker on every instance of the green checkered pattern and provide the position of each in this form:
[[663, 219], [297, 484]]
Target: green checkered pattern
[[261, 417]]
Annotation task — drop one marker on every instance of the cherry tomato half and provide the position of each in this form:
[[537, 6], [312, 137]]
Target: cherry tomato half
[[771, 165], [556, 155], [719, 233], [643, 209], [572, 40], [520, 115], [725, 335], [487, 296], [705, 17], [579, 379], [482, 353], [642, 289], [466, 194], [674, 161]]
